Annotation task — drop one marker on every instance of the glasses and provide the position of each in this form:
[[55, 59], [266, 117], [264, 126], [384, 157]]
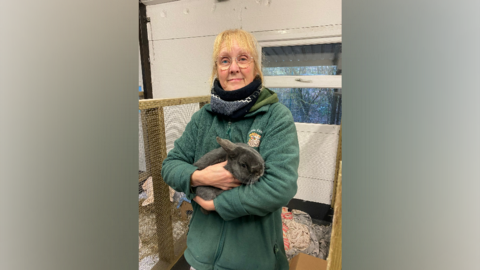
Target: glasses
[[243, 61]]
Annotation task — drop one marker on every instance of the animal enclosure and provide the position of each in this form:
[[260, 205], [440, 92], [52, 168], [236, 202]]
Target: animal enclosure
[[164, 215]]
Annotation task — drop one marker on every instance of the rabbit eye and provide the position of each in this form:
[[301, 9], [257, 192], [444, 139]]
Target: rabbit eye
[[243, 165]]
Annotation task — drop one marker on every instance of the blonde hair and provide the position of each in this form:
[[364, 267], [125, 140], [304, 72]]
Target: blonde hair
[[245, 40]]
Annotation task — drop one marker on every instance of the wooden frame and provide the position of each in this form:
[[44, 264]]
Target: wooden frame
[[334, 260], [144, 51], [337, 165], [157, 103]]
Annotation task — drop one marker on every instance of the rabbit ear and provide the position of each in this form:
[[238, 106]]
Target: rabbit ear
[[227, 145]]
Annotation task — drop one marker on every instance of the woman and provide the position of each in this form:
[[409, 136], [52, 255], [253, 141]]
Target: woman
[[245, 232]]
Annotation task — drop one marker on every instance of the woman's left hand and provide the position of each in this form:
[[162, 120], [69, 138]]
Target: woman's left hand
[[207, 205]]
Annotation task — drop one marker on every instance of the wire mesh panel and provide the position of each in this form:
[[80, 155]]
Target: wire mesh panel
[[176, 119], [142, 164], [163, 220]]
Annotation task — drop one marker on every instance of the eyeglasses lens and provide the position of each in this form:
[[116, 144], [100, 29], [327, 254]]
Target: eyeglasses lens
[[242, 61]]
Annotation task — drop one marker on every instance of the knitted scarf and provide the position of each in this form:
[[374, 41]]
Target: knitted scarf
[[235, 104]]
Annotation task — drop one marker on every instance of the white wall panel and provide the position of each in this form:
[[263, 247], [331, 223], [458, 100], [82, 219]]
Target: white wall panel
[[193, 18], [286, 14], [181, 67], [318, 152], [181, 34]]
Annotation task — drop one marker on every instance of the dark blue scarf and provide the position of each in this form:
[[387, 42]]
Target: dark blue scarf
[[235, 104]]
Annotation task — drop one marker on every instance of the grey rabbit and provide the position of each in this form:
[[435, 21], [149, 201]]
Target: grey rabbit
[[244, 163]]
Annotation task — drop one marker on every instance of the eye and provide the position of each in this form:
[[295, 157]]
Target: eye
[[224, 61], [243, 58], [243, 165]]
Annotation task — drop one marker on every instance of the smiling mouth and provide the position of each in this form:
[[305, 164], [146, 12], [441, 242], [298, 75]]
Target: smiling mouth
[[236, 79]]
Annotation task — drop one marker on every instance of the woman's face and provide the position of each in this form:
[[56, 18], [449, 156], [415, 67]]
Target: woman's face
[[235, 77]]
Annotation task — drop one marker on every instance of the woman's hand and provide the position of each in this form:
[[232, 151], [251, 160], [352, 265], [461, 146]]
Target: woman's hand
[[207, 205], [216, 176]]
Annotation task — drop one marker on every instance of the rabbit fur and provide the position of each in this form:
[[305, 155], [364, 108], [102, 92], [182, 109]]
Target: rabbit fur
[[244, 163]]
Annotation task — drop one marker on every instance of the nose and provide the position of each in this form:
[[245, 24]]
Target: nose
[[234, 68], [257, 168]]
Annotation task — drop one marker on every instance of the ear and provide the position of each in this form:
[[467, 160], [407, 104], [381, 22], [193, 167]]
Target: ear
[[228, 146]]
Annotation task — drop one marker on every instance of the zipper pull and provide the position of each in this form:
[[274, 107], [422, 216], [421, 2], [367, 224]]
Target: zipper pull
[[229, 130]]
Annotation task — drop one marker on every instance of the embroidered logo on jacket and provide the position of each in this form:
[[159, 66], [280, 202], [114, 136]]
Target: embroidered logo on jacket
[[254, 139]]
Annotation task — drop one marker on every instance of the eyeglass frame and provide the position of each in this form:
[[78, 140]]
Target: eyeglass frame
[[251, 59]]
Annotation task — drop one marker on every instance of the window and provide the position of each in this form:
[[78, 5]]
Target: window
[[307, 79], [305, 60], [312, 105]]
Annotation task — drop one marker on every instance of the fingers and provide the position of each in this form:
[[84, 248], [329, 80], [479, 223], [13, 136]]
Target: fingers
[[223, 163], [207, 205], [231, 184], [235, 182], [221, 178]]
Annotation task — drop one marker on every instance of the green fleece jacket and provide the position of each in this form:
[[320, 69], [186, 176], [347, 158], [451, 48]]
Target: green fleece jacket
[[245, 232]]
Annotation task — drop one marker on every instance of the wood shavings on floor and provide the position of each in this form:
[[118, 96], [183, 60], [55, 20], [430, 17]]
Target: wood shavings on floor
[[148, 246]]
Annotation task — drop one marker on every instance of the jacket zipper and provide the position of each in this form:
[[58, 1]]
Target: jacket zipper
[[220, 245], [222, 235]]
